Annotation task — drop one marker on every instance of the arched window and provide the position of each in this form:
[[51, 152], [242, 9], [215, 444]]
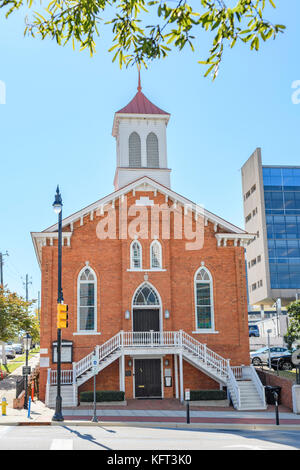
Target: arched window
[[146, 295], [152, 151], [136, 255], [155, 255], [204, 300], [87, 300], [134, 145]]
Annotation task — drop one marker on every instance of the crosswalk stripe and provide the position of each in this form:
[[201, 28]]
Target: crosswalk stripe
[[62, 444]]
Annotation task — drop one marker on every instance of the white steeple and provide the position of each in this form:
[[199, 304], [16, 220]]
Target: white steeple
[[140, 132]]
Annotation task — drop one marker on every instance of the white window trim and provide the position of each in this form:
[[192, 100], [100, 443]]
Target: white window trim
[[205, 330], [94, 331], [156, 242], [132, 267]]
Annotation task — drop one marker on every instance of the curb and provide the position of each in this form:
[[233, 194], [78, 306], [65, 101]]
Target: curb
[[216, 426]]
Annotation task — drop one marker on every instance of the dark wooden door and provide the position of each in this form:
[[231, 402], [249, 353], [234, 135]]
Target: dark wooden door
[[147, 378], [146, 319]]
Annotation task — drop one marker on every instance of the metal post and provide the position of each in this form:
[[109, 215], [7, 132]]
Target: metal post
[[26, 383], [188, 412], [95, 419], [58, 408], [276, 407], [269, 353]]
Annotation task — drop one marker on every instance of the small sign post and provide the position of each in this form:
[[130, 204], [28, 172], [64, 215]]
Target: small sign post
[[187, 399], [95, 364], [26, 370]]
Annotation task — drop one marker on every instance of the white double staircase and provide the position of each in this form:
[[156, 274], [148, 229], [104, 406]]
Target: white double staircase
[[243, 384]]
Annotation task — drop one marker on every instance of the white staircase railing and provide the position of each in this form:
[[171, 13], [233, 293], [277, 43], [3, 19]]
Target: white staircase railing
[[136, 339], [66, 377], [204, 354], [233, 385], [249, 372], [180, 340], [104, 350]]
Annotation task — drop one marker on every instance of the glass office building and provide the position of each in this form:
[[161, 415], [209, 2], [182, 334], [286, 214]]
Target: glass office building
[[271, 197], [282, 206]]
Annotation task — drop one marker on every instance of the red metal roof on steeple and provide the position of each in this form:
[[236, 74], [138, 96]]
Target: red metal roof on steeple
[[140, 104]]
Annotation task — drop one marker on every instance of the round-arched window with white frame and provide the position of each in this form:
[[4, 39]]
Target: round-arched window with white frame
[[87, 300], [204, 299]]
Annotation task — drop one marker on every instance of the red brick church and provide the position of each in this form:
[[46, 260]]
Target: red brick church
[[154, 283]]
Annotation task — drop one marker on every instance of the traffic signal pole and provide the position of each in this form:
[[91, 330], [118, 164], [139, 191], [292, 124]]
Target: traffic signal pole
[[58, 416]]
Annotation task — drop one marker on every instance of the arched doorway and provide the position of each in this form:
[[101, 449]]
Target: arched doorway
[[146, 317], [146, 309]]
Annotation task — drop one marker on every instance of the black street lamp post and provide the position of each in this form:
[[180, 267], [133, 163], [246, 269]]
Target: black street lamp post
[[57, 205]]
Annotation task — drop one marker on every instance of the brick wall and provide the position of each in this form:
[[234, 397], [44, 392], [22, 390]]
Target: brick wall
[[276, 381], [110, 260]]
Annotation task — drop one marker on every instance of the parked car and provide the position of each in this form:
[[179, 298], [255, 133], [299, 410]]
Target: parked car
[[282, 363], [253, 331], [261, 356], [18, 347], [10, 352]]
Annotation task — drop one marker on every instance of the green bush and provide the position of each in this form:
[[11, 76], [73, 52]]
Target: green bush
[[197, 395], [102, 395]]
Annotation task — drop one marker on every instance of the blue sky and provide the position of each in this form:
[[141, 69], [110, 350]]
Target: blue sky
[[57, 120]]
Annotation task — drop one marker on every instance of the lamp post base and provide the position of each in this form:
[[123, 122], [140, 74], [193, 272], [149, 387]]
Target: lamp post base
[[58, 414]]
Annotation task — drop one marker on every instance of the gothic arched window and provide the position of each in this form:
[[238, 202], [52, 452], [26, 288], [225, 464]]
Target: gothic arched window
[[135, 255], [152, 151], [134, 147], [146, 295], [204, 300], [155, 255], [87, 300]]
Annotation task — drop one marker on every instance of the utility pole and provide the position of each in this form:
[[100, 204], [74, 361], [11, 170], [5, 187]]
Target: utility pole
[[1, 267], [26, 284]]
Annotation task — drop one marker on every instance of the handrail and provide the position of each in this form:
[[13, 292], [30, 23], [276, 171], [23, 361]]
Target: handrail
[[66, 377], [152, 339], [232, 381], [206, 355], [104, 350], [259, 386]]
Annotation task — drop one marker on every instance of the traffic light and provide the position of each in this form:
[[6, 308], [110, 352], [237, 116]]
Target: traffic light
[[62, 316]]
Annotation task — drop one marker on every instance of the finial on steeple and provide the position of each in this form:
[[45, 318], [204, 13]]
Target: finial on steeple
[[139, 81]]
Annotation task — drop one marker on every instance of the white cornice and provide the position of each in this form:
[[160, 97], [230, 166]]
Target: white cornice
[[119, 116], [40, 239], [238, 238]]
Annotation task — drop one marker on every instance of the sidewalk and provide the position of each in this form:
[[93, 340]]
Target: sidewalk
[[161, 413], [8, 385]]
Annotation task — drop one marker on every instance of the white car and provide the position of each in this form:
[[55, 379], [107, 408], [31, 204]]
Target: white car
[[261, 356], [10, 352]]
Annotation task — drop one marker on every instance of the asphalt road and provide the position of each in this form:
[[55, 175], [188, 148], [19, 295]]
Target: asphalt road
[[135, 438]]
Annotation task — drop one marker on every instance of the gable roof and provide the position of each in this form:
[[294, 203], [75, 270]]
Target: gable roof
[[145, 180], [144, 183]]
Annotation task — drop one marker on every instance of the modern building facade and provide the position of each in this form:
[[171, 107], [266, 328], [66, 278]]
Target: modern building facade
[[272, 212], [160, 312]]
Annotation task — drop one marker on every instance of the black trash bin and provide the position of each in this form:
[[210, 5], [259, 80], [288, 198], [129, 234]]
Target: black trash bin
[[269, 390]]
